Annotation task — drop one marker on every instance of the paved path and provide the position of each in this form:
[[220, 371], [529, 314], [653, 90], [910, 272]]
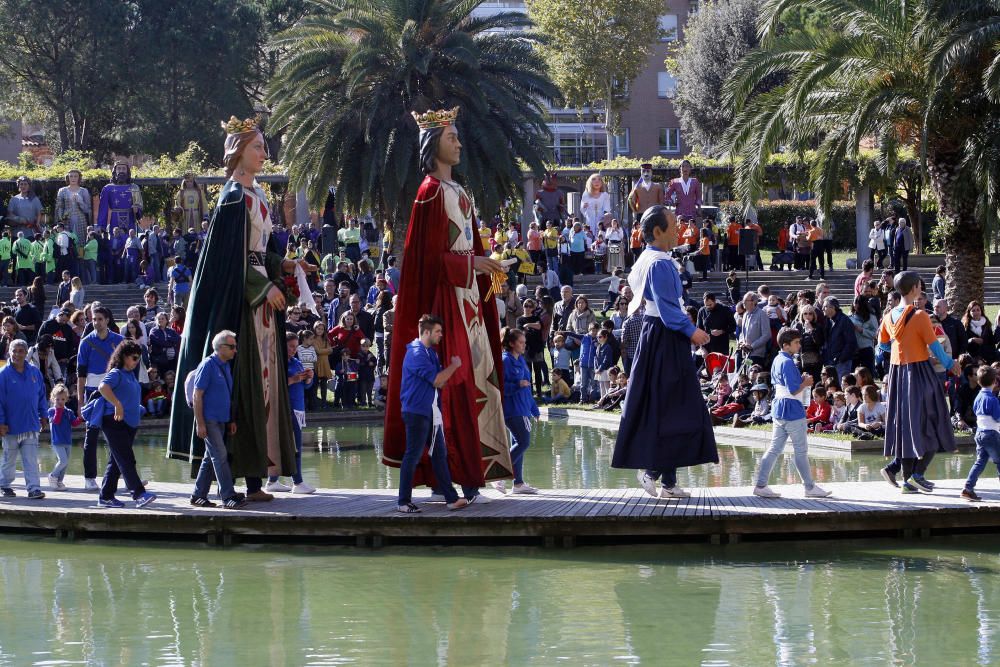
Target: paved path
[[564, 516]]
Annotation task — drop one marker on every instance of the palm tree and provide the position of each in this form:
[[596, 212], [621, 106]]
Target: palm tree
[[871, 75], [355, 70]]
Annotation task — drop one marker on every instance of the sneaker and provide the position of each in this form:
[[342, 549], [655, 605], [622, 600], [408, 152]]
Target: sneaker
[[145, 499], [91, 485], [276, 487], [920, 484], [458, 504], [235, 503], [436, 498], [408, 508], [970, 495], [303, 489], [674, 492], [35, 494], [112, 503], [524, 489], [500, 486], [906, 488], [480, 499], [648, 483], [765, 492], [889, 477], [198, 501], [259, 497], [7, 492], [817, 492]]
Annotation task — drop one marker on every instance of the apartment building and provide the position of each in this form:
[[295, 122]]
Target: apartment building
[[650, 125]]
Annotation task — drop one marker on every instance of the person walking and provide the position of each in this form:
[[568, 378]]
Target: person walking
[[299, 380], [22, 414], [421, 380], [519, 407], [95, 351], [118, 411], [212, 403]]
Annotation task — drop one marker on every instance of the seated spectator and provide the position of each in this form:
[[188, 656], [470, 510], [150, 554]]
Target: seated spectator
[[761, 410], [561, 392], [871, 413], [848, 422], [615, 395], [154, 395], [819, 410]]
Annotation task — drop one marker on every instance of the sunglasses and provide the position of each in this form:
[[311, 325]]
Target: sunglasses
[[134, 357], [231, 346]]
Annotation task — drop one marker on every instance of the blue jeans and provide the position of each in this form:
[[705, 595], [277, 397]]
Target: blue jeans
[[297, 475], [62, 461], [987, 449], [669, 476], [586, 379], [419, 430], [520, 435], [795, 429], [89, 271], [214, 464], [27, 445], [844, 368]]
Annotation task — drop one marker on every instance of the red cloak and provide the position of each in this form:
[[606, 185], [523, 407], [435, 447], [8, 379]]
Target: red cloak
[[429, 276]]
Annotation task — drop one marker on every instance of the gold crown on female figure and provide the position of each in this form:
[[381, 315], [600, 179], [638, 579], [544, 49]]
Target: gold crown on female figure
[[432, 119], [236, 126]]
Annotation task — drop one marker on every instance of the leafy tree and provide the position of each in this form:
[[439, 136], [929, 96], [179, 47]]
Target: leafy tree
[[356, 70], [715, 39], [874, 76], [596, 49]]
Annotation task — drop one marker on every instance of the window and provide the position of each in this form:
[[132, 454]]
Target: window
[[670, 140], [666, 85], [622, 143], [668, 24]]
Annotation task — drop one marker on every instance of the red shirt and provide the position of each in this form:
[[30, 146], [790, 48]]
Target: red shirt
[[341, 337], [819, 412]]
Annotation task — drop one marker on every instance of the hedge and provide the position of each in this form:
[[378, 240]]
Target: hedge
[[771, 214]]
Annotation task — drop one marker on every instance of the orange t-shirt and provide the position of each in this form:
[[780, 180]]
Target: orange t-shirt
[[690, 235], [636, 238], [733, 234], [910, 335], [814, 234], [706, 246]]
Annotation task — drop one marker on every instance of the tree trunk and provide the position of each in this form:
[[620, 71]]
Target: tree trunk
[[964, 245]]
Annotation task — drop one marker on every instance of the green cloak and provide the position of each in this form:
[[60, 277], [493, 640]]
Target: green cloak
[[223, 296]]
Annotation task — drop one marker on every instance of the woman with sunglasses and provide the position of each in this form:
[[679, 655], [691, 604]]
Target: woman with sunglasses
[[122, 408]]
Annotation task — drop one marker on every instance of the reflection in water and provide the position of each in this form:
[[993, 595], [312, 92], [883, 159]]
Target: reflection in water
[[885, 602]]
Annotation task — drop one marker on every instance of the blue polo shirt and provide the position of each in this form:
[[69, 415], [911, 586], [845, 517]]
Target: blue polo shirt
[[785, 373], [297, 391], [215, 377], [93, 356], [127, 390], [22, 399], [420, 367], [517, 400]]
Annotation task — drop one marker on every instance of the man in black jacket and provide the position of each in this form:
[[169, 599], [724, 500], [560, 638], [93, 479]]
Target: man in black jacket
[[952, 327], [718, 321]]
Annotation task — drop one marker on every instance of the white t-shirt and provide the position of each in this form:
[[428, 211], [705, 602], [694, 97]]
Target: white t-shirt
[[868, 415]]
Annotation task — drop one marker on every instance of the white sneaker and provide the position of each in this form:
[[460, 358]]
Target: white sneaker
[[91, 485], [647, 482], [272, 487], [674, 492], [817, 492], [480, 499], [54, 483], [303, 488], [765, 492], [436, 498], [500, 486], [525, 489]]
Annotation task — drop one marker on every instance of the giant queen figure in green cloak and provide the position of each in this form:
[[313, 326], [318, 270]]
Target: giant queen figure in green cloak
[[239, 285]]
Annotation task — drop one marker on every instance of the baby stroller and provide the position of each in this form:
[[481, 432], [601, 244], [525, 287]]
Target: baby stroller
[[713, 363]]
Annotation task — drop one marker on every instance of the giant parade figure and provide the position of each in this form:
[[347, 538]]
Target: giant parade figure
[[121, 201], [664, 424], [190, 204], [239, 285], [445, 273]]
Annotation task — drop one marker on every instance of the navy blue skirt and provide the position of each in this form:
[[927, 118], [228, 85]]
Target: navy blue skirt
[[665, 422], [916, 420]]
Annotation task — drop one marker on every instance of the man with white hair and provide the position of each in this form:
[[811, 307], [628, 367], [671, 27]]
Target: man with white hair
[[902, 245], [212, 403], [755, 330], [23, 411]]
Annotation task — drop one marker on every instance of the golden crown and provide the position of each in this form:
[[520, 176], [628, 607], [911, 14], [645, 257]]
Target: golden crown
[[432, 119], [236, 126]]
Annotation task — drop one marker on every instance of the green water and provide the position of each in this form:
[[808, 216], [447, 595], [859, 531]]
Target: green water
[[560, 457], [864, 603], [934, 602]]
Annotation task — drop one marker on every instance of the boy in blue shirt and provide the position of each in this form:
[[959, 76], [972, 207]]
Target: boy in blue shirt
[[588, 354], [299, 379], [788, 417], [421, 412], [987, 408]]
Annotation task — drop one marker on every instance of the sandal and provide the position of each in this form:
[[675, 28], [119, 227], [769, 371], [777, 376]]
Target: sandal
[[408, 508]]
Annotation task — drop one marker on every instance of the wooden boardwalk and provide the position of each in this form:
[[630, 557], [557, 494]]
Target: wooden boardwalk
[[554, 517]]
